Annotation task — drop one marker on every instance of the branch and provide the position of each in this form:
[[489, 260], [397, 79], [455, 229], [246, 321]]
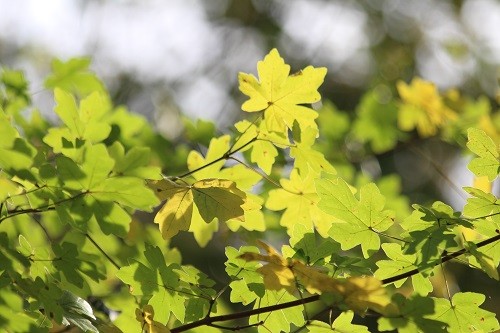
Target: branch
[[40, 209], [245, 314], [444, 258], [225, 156]]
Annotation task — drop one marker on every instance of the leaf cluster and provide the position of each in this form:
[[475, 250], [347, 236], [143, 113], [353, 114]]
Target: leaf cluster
[[77, 249]]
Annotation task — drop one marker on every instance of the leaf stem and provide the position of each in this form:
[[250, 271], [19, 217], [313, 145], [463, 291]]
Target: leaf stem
[[102, 251]]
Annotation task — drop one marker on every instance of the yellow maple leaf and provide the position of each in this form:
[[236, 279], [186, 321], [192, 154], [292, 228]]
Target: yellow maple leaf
[[423, 108], [280, 94], [146, 318], [298, 197], [357, 293], [207, 198]]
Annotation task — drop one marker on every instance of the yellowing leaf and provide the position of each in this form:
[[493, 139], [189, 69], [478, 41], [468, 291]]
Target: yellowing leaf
[[263, 148], [482, 183], [218, 198], [279, 94], [211, 165], [299, 199], [422, 108], [216, 149], [305, 155], [357, 293], [254, 218], [177, 212], [148, 324], [210, 198]]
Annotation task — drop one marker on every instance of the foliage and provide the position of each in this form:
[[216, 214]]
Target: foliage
[[73, 251]]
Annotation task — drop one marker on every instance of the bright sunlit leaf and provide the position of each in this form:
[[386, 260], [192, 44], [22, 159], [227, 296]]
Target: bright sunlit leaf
[[213, 198], [361, 220], [280, 94], [488, 162], [298, 197], [463, 314]]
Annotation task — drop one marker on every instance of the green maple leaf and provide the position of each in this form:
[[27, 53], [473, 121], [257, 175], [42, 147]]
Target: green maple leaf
[[481, 204], [134, 163], [47, 295], [279, 320], [485, 209], [13, 317], [16, 86], [15, 152], [247, 285], [412, 315], [358, 221], [157, 280], [127, 191], [280, 95], [306, 247], [298, 197], [462, 314], [488, 163], [376, 121], [342, 324], [68, 263], [430, 231], [73, 76], [401, 263], [95, 168], [84, 122], [7, 188]]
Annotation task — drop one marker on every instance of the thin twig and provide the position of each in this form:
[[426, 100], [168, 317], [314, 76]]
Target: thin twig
[[102, 251]]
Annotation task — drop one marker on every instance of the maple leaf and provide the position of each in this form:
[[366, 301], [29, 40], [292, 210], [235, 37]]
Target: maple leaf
[[212, 198], [342, 324], [263, 147], [488, 162], [146, 318], [376, 121], [357, 293], [401, 263], [422, 108], [363, 220], [463, 314], [485, 208], [410, 315], [306, 157], [279, 94], [215, 196], [298, 197]]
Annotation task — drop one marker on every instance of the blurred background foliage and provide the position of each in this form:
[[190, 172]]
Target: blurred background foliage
[[176, 60]]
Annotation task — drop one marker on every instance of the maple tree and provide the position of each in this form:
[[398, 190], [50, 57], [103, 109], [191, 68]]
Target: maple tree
[[73, 251]]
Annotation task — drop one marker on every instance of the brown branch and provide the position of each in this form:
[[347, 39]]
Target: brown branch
[[245, 314]]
